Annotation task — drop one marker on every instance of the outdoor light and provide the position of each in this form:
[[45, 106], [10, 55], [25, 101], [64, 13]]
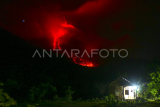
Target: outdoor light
[[135, 87]]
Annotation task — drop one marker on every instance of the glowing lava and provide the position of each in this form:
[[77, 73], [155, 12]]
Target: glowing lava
[[56, 45], [82, 62], [60, 32]]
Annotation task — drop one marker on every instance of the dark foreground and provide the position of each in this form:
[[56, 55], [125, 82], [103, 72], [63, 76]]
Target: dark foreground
[[87, 104]]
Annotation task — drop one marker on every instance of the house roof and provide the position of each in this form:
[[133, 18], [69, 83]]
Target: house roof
[[121, 82]]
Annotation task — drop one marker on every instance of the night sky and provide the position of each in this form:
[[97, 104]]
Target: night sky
[[133, 25], [86, 24]]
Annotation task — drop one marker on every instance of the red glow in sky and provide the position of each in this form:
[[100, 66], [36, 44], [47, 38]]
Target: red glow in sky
[[95, 24], [56, 45]]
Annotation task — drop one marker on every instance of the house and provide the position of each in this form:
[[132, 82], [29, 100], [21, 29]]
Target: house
[[123, 89]]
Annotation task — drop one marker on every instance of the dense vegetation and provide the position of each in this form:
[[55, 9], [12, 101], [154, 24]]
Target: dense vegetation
[[151, 90]]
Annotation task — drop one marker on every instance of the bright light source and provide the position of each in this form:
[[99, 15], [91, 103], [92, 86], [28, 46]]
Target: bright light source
[[135, 87]]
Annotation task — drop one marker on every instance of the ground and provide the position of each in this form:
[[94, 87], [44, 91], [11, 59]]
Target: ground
[[81, 104]]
